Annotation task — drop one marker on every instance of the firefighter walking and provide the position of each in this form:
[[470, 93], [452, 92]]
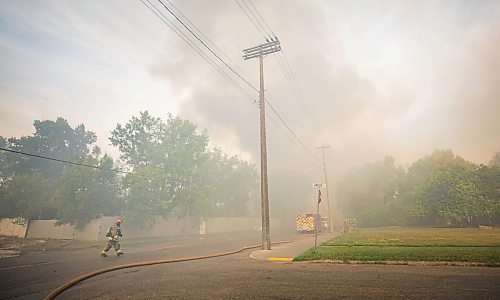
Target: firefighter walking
[[114, 232]]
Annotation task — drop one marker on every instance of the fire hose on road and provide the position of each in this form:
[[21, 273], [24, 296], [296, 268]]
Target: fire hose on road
[[77, 280]]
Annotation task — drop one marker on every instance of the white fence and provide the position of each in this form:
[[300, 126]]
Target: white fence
[[96, 229], [8, 227]]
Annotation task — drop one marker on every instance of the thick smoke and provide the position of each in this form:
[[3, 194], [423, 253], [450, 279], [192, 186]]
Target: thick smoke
[[379, 78], [433, 93]]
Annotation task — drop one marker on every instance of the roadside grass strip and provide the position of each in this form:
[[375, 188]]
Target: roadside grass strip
[[417, 236], [395, 244]]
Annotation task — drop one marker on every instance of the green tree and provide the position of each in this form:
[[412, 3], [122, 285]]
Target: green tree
[[84, 193], [56, 139], [420, 170], [166, 153], [27, 183], [137, 139], [26, 197], [371, 194], [488, 182], [443, 189], [495, 161], [146, 195], [224, 185], [451, 193]]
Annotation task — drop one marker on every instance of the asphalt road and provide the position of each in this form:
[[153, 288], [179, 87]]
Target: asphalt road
[[236, 276], [34, 275]]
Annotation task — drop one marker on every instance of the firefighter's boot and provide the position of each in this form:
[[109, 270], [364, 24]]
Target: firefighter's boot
[[119, 253], [104, 254]]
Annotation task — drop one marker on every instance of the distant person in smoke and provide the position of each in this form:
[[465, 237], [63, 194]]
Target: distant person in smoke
[[114, 232]]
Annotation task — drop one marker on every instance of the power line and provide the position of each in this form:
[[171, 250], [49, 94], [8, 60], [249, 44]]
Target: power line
[[288, 74], [256, 19], [291, 131], [294, 80], [288, 78], [199, 51], [287, 70], [252, 20], [292, 83], [284, 65], [263, 20], [282, 61], [69, 162], [208, 39], [206, 46], [191, 44]]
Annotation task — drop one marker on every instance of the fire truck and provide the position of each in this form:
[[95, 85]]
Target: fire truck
[[311, 223]]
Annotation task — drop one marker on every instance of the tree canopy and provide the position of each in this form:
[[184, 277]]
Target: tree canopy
[[164, 154], [172, 172], [440, 188], [175, 173], [370, 193], [55, 139], [83, 193], [27, 183]]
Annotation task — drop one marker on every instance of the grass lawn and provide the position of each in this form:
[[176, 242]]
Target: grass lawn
[[400, 244]]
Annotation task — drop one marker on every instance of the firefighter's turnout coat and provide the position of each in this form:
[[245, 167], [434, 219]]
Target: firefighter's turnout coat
[[114, 232]]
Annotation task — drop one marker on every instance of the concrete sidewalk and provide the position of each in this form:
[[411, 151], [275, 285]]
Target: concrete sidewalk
[[286, 252]]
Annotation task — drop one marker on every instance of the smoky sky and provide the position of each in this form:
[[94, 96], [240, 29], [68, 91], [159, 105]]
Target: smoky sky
[[392, 78], [398, 78]]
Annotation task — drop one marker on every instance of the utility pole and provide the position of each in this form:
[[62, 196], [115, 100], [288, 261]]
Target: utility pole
[[259, 52], [330, 212]]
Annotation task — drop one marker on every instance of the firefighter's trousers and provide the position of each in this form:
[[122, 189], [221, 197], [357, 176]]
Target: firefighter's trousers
[[114, 244]]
